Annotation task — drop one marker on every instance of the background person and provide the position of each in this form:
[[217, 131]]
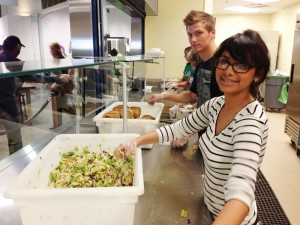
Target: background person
[[64, 86], [188, 72], [9, 113], [234, 142], [200, 27]]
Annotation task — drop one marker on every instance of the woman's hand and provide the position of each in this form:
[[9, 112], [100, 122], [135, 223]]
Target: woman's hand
[[173, 111], [126, 149], [178, 143]]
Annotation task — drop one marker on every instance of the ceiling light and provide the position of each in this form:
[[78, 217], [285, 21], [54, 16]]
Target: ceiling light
[[243, 9], [262, 1]]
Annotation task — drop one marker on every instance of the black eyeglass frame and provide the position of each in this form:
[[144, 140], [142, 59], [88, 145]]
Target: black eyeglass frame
[[233, 66]]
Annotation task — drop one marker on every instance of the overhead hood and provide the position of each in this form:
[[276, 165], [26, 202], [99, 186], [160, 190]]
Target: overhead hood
[[134, 8]]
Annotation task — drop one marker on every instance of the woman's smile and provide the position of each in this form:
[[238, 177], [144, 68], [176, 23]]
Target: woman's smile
[[227, 81]]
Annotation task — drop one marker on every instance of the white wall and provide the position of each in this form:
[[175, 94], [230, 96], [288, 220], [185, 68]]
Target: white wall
[[3, 28], [167, 32], [19, 26], [284, 21], [228, 25], [55, 27]]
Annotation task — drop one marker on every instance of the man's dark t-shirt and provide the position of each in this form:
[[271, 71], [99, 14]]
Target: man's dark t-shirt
[[204, 84]]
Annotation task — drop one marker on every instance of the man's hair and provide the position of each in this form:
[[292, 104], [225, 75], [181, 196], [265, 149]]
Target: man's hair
[[198, 16]]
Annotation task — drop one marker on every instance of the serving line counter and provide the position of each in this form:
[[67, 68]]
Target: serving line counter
[[173, 184]]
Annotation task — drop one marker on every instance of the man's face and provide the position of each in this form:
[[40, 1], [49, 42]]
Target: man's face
[[17, 50], [199, 38]]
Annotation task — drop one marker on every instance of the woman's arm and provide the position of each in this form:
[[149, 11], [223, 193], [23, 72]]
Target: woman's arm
[[233, 213], [150, 138]]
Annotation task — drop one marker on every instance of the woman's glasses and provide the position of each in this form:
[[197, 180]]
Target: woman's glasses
[[223, 64]]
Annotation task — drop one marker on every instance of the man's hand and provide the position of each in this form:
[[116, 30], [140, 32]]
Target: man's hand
[[170, 85], [155, 98]]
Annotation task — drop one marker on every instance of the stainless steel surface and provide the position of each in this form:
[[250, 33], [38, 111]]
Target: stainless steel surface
[[136, 47], [81, 28], [291, 128], [172, 184], [121, 44], [293, 103]]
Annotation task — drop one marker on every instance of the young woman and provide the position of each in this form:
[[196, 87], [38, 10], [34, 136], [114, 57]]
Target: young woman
[[234, 142]]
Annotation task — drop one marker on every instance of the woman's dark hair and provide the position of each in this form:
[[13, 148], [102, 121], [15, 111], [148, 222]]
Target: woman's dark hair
[[248, 48]]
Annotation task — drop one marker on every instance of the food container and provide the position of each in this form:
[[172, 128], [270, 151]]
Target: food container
[[41, 205], [139, 126]]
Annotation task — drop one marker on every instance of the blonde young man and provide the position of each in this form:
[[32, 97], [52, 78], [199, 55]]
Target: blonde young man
[[200, 27]]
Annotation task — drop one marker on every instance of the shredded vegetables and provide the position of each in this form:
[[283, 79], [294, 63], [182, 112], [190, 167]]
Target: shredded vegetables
[[89, 169]]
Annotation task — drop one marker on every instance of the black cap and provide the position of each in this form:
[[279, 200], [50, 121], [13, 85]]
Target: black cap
[[12, 41]]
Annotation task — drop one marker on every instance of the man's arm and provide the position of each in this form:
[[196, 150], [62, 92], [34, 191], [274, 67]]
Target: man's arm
[[184, 97]]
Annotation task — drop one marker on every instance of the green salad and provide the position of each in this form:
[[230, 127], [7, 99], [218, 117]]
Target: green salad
[[90, 169]]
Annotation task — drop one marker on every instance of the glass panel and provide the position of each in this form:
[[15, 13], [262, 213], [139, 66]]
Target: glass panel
[[82, 88]]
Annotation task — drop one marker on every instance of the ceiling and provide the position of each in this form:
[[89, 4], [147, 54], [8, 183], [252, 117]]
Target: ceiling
[[265, 8]]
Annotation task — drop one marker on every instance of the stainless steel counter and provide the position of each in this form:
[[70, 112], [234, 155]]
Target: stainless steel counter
[[172, 184]]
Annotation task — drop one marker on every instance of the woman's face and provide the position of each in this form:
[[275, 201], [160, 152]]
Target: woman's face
[[53, 52], [232, 81]]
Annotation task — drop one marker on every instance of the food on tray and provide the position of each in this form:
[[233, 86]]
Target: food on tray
[[118, 108], [112, 114], [90, 169], [136, 111], [133, 112], [129, 114], [148, 117]]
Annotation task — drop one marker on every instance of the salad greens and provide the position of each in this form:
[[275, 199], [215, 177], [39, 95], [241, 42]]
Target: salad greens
[[90, 169]]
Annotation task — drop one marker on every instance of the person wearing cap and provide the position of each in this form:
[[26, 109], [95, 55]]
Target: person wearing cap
[[9, 113]]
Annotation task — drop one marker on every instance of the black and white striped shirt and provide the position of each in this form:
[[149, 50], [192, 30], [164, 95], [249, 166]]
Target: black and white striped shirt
[[232, 158]]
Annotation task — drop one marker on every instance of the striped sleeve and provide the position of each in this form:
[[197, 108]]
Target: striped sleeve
[[193, 123], [248, 135]]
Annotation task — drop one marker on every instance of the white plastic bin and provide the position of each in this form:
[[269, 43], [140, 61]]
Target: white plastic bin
[[41, 205], [139, 126]]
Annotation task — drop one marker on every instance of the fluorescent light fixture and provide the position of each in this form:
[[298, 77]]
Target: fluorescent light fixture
[[262, 1], [24, 13], [243, 9]]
